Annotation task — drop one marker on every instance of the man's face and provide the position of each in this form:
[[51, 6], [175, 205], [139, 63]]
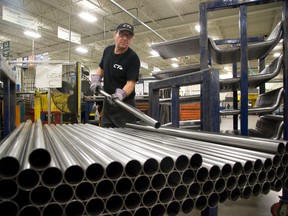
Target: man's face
[[123, 39]]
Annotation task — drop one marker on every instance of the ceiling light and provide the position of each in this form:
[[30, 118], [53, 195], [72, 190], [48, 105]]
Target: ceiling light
[[154, 53], [81, 49], [275, 55], [174, 65], [197, 28], [88, 17], [32, 34]]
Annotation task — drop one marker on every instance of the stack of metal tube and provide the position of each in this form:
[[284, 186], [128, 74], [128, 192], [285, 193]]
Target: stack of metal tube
[[82, 169]]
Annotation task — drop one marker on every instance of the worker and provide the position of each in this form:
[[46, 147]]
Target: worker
[[119, 67]]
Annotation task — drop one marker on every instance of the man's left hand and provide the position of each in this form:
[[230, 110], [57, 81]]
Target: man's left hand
[[120, 94]]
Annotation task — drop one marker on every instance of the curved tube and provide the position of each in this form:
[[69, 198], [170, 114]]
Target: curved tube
[[142, 116]]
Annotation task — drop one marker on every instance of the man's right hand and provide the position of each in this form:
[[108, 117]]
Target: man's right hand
[[96, 83]]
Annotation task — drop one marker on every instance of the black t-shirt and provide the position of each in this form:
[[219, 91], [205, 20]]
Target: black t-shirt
[[118, 68]]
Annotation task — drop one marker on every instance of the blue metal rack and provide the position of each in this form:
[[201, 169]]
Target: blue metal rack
[[9, 97]]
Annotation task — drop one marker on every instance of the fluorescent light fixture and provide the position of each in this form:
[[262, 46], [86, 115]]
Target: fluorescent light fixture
[[174, 65], [275, 55], [88, 17], [81, 49], [154, 53], [32, 34], [197, 28]]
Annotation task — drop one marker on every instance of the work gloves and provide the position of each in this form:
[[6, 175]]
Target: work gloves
[[96, 83], [119, 94]]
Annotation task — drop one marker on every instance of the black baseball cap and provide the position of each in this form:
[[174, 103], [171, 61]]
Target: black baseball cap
[[125, 27]]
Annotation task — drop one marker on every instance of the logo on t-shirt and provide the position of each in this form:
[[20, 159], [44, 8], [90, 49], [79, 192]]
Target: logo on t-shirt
[[118, 67]]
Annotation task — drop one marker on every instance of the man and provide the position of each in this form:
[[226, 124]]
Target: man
[[119, 67]]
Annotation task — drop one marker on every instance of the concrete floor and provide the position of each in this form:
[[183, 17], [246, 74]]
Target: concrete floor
[[255, 206]]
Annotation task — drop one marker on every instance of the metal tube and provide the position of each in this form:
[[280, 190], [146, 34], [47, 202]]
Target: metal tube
[[30, 210], [223, 196], [194, 190], [188, 176], [266, 187], [256, 190], [141, 183], [219, 185], [37, 148], [124, 213], [241, 181], [246, 192], [104, 188], [84, 191], [123, 186], [165, 195], [114, 203], [142, 116], [12, 155], [277, 185], [213, 200], [132, 201], [173, 179], [52, 208], [63, 193], [28, 179], [207, 187], [95, 206], [187, 205], [234, 194], [214, 170], [180, 192], [157, 209], [201, 202], [158, 181], [149, 198], [40, 196], [141, 211], [231, 183], [173, 208], [74, 207], [8, 189], [9, 206], [252, 179], [257, 145]]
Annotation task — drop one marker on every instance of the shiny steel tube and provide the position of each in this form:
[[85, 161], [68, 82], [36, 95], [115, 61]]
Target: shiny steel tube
[[142, 116], [187, 205], [231, 183], [30, 210], [63, 193], [271, 175], [123, 186], [149, 198], [74, 207], [188, 176], [9, 206], [223, 196], [242, 142], [173, 208], [252, 179], [95, 206], [213, 200], [157, 209], [256, 190], [28, 179], [132, 201], [201, 202], [266, 187], [165, 195], [194, 190], [225, 166], [84, 191], [234, 194], [114, 203], [140, 151], [40, 196], [73, 172], [52, 208], [8, 189], [207, 187], [124, 213], [214, 170], [141, 183], [173, 179], [158, 181], [277, 185], [12, 151], [219, 185], [246, 192], [104, 188], [37, 148], [241, 181], [141, 211], [180, 192]]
